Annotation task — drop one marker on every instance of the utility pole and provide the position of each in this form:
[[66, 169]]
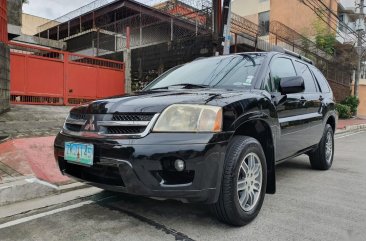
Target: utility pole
[[226, 25], [360, 32], [216, 20]]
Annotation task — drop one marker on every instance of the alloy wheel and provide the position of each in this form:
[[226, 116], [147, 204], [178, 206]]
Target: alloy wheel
[[249, 183]]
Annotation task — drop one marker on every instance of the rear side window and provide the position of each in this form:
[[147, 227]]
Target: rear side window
[[304, 71], [280, 68], [324, 86]]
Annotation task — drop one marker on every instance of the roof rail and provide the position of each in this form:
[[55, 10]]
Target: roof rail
[[286, 51]]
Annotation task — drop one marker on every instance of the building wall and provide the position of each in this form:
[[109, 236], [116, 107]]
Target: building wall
[[298, 16], [340, 91], [250, 8], [362, 95], [292, 13], [31, 23]]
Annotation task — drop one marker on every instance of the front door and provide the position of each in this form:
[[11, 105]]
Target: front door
[[291, 113]]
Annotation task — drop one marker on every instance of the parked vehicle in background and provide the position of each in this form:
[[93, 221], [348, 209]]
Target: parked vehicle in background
[[208, 131]]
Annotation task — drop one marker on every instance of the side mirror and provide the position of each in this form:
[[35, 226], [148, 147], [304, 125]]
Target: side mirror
[[292, 85]]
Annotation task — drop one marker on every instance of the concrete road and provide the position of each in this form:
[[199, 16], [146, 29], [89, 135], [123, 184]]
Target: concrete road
[[308, 205]]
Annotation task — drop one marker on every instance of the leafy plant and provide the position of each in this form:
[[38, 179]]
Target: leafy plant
[[352, 102], [325, 39], [344, 111]]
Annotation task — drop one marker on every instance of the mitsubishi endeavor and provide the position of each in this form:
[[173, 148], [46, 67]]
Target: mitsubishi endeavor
[[209, 131]]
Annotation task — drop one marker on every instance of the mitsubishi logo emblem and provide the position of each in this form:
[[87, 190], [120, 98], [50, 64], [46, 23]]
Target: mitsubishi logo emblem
[[90, 126]]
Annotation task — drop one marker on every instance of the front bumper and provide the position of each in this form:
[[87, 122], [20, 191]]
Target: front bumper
[[143, 166]]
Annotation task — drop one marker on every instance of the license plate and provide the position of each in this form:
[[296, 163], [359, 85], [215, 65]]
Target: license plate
[[79, 153]]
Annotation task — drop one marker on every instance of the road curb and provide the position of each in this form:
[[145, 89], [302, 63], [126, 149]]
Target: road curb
[[352, 128], [27, 188]]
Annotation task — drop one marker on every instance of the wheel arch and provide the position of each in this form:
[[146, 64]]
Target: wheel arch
[[261, 131], [332, 122]]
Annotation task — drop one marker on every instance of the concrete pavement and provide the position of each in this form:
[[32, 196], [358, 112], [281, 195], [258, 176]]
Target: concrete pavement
[[308, 205]]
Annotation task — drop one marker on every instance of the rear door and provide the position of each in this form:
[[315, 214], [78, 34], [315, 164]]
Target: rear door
[[312, 101], [291, 127]]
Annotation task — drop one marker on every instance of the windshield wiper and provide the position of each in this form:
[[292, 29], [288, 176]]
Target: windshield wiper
[[184, 85], [190, 86]]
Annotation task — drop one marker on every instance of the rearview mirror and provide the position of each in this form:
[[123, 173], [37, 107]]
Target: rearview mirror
[[292, 85]]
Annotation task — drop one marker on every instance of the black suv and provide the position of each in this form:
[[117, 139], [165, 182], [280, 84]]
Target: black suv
[[208, 131]]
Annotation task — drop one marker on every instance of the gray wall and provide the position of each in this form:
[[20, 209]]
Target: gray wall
[[14, 12], [4, 77]]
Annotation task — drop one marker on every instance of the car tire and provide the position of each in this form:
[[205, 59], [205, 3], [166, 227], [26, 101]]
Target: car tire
[[239, 184], [322, 157]]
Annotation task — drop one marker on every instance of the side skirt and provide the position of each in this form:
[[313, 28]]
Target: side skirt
[[297, 154]]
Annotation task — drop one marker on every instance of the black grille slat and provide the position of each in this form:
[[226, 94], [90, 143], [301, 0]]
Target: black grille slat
[[120, 130], [132, 117], [72, 127], [78, 116]]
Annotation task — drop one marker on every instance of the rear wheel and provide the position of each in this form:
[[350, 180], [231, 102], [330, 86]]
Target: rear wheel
[[244, 182], [322, 157]]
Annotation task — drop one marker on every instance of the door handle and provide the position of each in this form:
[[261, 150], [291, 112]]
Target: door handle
[[303, 100], [321, 98]]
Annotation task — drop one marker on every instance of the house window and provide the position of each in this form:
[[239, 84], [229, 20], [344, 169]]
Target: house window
[[263, 21]]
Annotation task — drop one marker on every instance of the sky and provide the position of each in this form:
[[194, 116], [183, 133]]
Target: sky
[[53, 9]]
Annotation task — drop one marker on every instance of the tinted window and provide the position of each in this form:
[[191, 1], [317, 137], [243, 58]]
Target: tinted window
[[304, 71], [321, 80], [229, 71], [280, 68]]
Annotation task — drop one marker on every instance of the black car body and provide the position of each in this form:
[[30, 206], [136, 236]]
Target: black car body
[[284, 103]]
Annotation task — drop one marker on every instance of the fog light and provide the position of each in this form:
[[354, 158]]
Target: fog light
[[179, 165]]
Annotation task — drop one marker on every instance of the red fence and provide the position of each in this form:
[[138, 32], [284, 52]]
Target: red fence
[[3, 22], [44, 76]]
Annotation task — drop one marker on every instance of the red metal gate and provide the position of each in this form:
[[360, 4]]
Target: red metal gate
[[3, 22], [44, 76]]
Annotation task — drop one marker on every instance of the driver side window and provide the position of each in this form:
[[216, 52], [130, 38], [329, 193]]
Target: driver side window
[[279, 68]]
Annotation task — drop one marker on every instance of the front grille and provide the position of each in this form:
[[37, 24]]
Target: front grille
[[77, 116], [134, 124], [120, 130], [132, 117]]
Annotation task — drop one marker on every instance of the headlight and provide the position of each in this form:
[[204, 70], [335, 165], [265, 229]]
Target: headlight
[[190, 118]]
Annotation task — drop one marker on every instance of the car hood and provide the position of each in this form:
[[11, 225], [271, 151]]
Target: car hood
[[157, 101]]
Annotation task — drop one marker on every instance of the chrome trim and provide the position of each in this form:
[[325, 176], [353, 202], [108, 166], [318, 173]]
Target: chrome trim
[[300, 117], [101, 135], [123, 123], [112, 161], [75, 122]]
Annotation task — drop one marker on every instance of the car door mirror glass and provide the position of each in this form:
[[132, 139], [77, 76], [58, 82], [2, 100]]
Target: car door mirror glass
[[291, 85]]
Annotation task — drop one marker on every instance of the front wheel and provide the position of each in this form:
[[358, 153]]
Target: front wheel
[[244, 182], [322, 157]]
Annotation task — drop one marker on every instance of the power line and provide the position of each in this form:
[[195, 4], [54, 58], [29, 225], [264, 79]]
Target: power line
[[321, 15], [336, 16]]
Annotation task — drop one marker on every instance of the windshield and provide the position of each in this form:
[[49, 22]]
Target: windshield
[[234, 71]]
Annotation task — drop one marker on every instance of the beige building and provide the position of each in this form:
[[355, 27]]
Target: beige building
[[31, 24], [292, 13]]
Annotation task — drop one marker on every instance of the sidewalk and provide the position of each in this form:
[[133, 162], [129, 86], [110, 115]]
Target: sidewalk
[[343, 124], [27, 165]]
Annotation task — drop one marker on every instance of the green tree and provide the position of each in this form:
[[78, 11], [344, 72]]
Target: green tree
[[325, 39]]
